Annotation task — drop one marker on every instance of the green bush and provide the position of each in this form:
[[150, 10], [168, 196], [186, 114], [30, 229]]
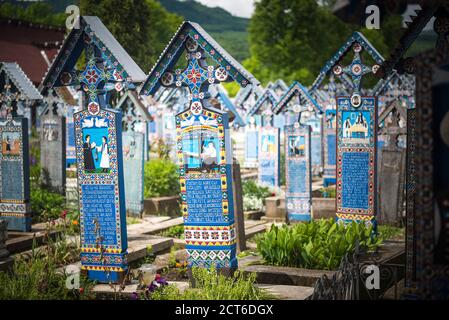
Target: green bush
[[38, 279], [252, 189], [46, 204], [210, 285], [161, 178], [174, 232], [329, 192], [320, 244]]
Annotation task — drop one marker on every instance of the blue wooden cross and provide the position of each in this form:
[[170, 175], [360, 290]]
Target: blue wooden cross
[[356, 70], [197, 76], [96, 80]]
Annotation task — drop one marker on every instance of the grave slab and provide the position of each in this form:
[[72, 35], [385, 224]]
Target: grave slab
[[53, 152], [284, 292]]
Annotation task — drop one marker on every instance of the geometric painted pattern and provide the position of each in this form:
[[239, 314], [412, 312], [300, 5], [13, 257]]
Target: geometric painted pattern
[[356, 160]]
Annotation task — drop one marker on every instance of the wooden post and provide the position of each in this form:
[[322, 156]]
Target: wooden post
[[238, 213]]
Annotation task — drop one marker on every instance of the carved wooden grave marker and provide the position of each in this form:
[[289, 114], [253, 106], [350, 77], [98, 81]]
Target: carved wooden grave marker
[[53, 145], [14, 150], [203, 145], [356, 144], [298, 174], [135, 149], [392, 166], [298, 97], [98, 140]]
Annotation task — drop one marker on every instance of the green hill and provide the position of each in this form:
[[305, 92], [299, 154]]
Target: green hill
[[228, 30]]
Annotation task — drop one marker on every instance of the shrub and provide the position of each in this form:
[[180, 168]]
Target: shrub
[[252, 189], [320, 244], [328, 192], [38, 278], [46, 204], [210, 285], [174, 232], [161, 178]]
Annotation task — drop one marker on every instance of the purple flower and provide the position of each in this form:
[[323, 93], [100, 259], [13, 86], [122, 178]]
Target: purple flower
[[134, 296], [152, 287]]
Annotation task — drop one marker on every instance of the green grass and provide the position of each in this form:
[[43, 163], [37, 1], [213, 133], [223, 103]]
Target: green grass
[[210, 285], [174, 232], [387, 232]]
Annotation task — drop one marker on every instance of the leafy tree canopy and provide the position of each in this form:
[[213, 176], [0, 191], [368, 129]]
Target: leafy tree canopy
[[142, 27], [292, 39]]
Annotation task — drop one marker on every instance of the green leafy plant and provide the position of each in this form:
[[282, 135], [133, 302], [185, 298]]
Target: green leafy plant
[[161, 178], [329, 192], [36, 277], [320, 244], [252, 189], [210, 285], [46, 205], [174, 232]]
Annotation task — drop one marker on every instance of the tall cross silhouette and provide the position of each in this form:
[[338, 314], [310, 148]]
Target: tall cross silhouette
[[7, 99], [96, 80], [197, 76], [356, 70]]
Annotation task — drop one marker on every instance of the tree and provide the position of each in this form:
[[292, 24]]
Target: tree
[[293, 38], [143, 28]]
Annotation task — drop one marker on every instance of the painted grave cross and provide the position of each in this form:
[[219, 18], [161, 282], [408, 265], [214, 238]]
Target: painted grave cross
[[356, 119], [203, 145], [15, 89], [98, 141], [310, 114], [96, 79], [135, 146], [197, 76], [298, 169]]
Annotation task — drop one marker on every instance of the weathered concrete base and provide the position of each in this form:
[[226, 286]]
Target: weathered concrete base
[[162, 205], [253, 215], [284, 292], [285, 275], [323, 208], [275, 210]]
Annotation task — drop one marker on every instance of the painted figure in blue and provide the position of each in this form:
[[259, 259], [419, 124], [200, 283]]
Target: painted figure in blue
[[88, 157]]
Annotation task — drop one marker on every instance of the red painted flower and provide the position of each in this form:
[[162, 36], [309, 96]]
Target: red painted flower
[[92, 76], [194, 76]]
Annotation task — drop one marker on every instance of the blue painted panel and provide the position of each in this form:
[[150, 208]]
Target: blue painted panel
[[12, 181], [297, 171], [267, 171], [252, 145], [204, 208], [98, 203], [331, 150], [316, 150], [355, 180]]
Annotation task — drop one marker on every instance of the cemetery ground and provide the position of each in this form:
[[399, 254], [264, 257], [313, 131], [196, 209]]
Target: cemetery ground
[[280, 261]]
